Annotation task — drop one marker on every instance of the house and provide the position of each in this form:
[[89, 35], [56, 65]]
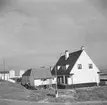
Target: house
[[15, 76], [7, 75], [37, 77], [10, 75], [76, 68], [103, 76], [4, 75]]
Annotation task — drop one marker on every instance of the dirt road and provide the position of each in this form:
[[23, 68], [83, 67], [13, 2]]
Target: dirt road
[[17, 102]]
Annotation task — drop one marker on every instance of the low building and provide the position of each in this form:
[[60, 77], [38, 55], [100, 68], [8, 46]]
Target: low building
[[37, 77], [4, 75]]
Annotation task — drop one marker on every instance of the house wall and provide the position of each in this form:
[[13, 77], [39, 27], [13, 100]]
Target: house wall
[[54, 80], [11, 80], [70, 80], [84, 75], [46, 82], [21, 73], [37, 82], [25, 80], [11, 73], [6, 76]]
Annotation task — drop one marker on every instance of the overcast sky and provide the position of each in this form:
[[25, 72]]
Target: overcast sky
[[33, 33]]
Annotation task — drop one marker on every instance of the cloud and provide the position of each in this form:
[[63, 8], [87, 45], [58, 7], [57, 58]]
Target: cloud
[[38, 32], [101, 6]]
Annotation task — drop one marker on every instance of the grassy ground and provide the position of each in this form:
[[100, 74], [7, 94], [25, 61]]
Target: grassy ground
[[13, 91]]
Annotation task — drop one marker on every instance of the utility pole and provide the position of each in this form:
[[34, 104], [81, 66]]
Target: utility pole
[[56, 91], [56, 88]]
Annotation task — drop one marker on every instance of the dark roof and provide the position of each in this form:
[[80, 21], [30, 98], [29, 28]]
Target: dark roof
[[70, 61], [27, 73], [42, 73], [4, 72], [39, 73]]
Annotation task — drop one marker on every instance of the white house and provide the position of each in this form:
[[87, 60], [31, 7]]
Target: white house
[[4, 75], [11, 75], [14, 76], [76, 68]]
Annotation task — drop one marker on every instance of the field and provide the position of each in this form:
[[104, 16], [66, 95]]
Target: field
[[16, 94]]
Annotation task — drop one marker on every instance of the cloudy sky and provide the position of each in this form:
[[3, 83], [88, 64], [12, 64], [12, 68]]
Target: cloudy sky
[[34, 33]]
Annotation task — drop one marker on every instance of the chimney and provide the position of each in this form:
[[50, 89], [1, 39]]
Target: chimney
[[82, 48], [66, 54], [51, 68]]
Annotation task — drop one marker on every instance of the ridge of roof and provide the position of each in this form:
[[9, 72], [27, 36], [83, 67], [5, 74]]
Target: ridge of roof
[[73, 56], [39, 73]]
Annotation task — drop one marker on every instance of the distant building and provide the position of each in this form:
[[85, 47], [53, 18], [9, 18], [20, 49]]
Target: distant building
[[14, 76], [103, 76], [11, 73], [21, 72], [4, 75], [76, 68]]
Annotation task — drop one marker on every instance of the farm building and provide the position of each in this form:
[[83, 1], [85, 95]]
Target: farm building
[[15, 76], [37, 77], [76, 68], [4, 75], [10, 75]]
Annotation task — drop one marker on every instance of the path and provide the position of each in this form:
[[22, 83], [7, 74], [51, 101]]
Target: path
[[18, 102]]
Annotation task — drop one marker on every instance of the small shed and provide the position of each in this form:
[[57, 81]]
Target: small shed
[[37, 77]]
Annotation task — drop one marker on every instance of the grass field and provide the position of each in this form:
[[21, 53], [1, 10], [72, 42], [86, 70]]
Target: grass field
[[10, 91]]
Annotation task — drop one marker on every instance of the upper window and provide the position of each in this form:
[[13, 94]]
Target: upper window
[[79, 66], [67, 67], [63, 67], [58, 67], [90, 66]]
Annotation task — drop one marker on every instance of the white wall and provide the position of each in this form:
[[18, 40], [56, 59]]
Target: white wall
[[46, 82], [10, 80], [84, 75], [6, 76], [54, 80], [21, 73], [11, 73], [70, 80]]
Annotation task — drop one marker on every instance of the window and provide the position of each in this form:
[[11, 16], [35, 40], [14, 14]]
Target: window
[[58, 67], [79, 66], [66, 79], [63, 67], [90, 66], [67, 67]]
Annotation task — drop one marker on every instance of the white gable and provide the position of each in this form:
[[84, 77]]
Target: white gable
[[85, 74], [85, 60]]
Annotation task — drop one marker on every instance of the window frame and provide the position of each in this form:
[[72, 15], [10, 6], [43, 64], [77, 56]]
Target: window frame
[[63, 67], [90, 66], [79, 66]]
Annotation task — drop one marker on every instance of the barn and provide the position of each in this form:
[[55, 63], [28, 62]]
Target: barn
[[38, 77]]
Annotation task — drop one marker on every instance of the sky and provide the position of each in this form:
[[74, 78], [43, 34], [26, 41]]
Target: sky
[[33, 33]]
